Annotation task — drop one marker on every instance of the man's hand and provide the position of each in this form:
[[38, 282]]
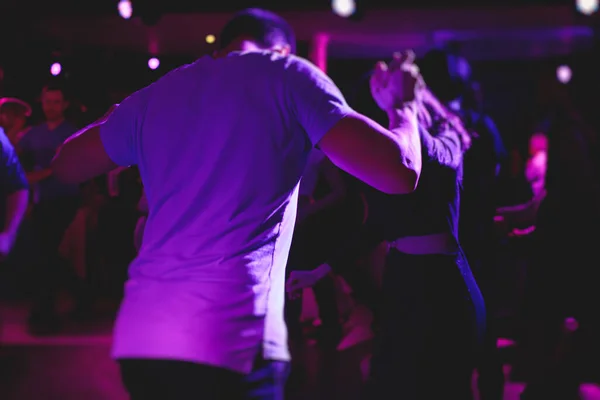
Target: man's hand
[[394, 85], [7, 241]]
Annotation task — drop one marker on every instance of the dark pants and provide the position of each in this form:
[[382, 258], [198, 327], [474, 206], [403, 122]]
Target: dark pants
[[481, 251], [178, 380], [50, 221], [431, 324], [562, 282]]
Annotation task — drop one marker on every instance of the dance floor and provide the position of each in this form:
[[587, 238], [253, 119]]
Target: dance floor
[[76, 365]]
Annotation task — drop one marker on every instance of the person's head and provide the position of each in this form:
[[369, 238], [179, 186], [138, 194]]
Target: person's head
[[446, 74], [538, 143], [256, 29], [54, 103], [13, 114]]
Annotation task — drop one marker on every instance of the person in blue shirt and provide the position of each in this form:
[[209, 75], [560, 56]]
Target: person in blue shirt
[[13, 196], [55, 204]]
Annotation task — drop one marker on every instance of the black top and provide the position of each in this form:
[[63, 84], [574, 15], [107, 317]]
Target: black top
[[479, 197], [12, 177], [432, 208]]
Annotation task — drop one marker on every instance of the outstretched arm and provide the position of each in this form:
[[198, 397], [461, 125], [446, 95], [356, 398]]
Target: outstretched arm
[[12, 178], [387, 159]]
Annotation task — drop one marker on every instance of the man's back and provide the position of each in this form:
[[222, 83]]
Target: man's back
[[221, 145], [220, 158]]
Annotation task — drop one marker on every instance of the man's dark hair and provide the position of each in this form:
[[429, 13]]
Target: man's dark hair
[[264, 27], [446, 73], [55, 87]]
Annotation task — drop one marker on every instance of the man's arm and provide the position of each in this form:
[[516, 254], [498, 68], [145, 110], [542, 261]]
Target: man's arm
[[16, 205], [82, 157], [388, 160], [12, 178], [102, 146]]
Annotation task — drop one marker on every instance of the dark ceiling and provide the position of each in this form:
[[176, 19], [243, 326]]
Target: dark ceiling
[[70, 7]]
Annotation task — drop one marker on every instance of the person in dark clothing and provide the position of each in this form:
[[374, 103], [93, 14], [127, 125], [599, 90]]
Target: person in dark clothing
[[55, 205], [562, 283], [449, 77], [322, 218], [431, 314], [13, 196]]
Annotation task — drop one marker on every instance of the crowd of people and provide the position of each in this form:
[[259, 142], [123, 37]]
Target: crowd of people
[[268, 183]]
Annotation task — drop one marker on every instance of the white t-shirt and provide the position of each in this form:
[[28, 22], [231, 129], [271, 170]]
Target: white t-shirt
[[221, 145]]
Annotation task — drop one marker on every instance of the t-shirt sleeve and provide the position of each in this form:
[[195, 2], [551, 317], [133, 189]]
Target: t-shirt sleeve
[[119, 132], [444, 148], [316, 101], [12, 177]]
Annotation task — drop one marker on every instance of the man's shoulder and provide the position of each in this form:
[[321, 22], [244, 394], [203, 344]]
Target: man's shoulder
[[274, 60], [31, 133]]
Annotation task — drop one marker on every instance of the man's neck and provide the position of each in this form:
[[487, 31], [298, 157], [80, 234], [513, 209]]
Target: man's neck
[[52, 125]]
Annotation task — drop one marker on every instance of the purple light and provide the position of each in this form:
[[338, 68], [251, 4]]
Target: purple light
[[55, 69], [343, 8], [153, 63], [564, 74], [587, 7], [125, 9]]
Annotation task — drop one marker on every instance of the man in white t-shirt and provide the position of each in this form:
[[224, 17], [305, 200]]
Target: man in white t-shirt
[[221, 145]]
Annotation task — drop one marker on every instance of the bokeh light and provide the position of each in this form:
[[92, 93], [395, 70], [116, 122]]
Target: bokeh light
[[153, 63], [55, 69]]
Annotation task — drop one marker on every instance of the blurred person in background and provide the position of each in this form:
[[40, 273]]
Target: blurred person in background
[[562, 282], [537, 163], [55, 205], [449, 77], [202, 316], [519, 220], [13, 196], [13, 118], [322, 221]]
